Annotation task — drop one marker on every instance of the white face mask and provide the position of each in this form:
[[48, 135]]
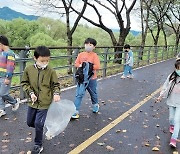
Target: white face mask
[[43, 66], [88, 48]]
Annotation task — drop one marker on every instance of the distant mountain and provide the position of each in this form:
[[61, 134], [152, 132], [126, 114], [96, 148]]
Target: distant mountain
[[135, 33], [8, 14]]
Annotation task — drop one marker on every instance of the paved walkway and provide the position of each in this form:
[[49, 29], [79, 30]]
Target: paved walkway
[[129, 122]]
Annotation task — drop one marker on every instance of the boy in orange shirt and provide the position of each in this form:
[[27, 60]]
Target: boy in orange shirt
[[88, 56]]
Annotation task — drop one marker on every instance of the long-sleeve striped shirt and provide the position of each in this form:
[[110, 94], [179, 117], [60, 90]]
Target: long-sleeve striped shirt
[[7, 63]]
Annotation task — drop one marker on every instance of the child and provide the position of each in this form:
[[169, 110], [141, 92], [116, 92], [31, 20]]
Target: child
[[88, 56], [128, 62], [7, 66], [171, 90], [41, 84]]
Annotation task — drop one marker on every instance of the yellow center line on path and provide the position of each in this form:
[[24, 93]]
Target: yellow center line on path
[[104, 130]]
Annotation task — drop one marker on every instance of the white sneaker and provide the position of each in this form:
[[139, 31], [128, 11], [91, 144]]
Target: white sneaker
[[130, 76], [15, 107], [2, 113], [123, 77]]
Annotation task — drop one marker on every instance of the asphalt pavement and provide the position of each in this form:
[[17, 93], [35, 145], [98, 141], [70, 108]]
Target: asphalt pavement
[[141, 131]]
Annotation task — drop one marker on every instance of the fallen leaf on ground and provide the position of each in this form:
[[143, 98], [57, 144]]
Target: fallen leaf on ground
[[118, 131], [158, 137], [29, 152], [136, 147], [109, 118], [71, 145], [175, 152], [155, 149], [28, 139], [157, 125], [145, 126], [86, 129], [5, 134], [147, 144], [5, 141], [124, 131], [101, 144], [108, 147]]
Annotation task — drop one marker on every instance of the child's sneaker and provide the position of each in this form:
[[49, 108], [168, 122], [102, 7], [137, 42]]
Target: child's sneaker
[[123, 77], [171, 128], [173, 143], [75, 115], [15, 107], [130, 76], [96, 108], [2, 113], [37, 149]]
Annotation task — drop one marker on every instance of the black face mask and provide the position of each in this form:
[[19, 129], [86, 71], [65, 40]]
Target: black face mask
[[125, 51]]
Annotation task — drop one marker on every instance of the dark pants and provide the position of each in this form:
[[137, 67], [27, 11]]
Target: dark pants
[[36, 119]]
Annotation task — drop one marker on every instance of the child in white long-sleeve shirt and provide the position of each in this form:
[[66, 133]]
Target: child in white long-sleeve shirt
[[171, 91], [128, 62]]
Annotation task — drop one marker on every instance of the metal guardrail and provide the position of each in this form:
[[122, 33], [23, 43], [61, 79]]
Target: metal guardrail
[[59, 58]]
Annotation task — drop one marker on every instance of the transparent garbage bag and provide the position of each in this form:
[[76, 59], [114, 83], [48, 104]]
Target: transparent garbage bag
[[58, 117]]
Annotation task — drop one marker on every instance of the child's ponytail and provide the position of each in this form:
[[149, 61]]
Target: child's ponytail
[[173, 77]]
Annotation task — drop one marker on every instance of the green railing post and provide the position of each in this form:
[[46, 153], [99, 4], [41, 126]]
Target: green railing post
[[139, 56], [75, 53], [105, 62], [149, 55], [23, 55]]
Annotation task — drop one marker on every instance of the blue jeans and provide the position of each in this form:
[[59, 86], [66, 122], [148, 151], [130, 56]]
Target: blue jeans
[[174, 119], [36, 119], [4, 94], [127, 70], [92, 89]]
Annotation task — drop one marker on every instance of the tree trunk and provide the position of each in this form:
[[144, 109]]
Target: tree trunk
[[69, 53], [144, 30], [177, 43], [120, 44], [69, 42], [118, 56]]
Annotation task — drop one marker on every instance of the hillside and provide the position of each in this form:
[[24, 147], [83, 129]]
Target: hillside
[[135, 33], [8, 14]]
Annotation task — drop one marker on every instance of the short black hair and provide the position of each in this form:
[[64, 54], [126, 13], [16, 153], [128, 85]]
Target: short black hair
[[127, 46], [4, 40], [177, 64], [42, 51], [91, 41]]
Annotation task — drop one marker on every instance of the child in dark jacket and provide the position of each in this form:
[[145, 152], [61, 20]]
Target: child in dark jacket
[[41, 84]]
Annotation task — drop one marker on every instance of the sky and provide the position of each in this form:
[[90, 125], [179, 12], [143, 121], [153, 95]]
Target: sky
[[107, 17]]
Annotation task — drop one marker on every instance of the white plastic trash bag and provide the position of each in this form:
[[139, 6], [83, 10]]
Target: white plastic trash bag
[[58, 117]]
